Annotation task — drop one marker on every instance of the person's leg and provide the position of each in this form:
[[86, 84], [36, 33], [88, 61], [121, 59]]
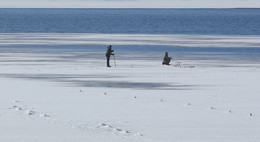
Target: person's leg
[[168, 61], [108, 58], [164, 62]]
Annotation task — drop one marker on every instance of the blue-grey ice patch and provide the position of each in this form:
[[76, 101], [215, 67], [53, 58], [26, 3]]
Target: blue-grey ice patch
[[131, 39]]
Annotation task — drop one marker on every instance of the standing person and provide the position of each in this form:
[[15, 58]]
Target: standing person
[[166, 59], [108, 54]]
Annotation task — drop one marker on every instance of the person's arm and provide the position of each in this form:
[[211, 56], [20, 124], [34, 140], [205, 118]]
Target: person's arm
[[112, 52]]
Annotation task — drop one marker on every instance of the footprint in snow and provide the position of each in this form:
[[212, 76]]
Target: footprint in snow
[[27, 110], [44, 115], [117, 130], [30, 112], [106, 125]]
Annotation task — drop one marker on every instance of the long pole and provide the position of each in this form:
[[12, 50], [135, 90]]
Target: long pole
[[114, 60]]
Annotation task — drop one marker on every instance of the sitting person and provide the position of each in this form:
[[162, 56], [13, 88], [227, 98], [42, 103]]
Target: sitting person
[[166, 59]]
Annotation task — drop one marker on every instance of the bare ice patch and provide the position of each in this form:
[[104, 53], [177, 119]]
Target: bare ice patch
[[129, 39], [101, 81]]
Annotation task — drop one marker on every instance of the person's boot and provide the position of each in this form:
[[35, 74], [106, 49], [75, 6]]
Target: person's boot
[[108, 64]]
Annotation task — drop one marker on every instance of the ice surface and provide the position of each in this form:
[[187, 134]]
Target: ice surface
[[130, 39], [79, 99]]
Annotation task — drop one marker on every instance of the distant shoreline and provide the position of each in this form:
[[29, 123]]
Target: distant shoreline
[[97, 8]]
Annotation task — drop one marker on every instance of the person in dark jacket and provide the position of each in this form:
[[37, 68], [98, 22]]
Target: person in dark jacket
[[166, 59], [109, 52]]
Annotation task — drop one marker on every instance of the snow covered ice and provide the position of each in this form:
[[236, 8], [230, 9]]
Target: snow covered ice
[[58, 96]]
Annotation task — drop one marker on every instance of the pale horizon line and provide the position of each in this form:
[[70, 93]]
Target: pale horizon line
[[129, 8]]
